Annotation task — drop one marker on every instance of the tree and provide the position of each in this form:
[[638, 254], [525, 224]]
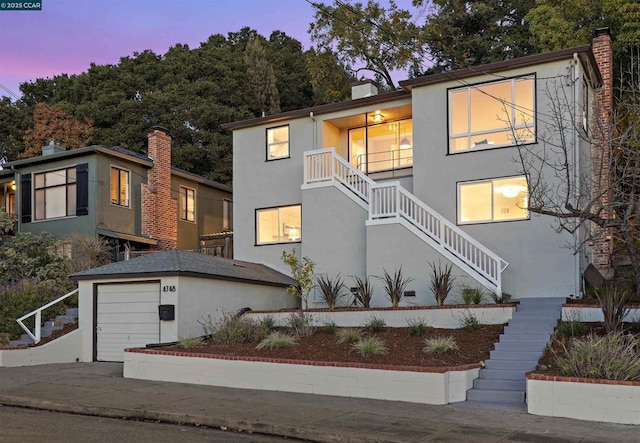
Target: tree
[[601, 200], [329, 79], [462, 33], [52, 123], [378, 39], [262, 80], [302, 272], [14, 119], [559, 24]]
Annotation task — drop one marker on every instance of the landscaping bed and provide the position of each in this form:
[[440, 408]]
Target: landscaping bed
[[403, 348]]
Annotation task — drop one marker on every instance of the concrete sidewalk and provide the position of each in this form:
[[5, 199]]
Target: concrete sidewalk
[[99, 389]]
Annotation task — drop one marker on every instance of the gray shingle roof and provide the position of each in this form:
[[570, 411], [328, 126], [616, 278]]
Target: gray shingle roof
[[177, 262]]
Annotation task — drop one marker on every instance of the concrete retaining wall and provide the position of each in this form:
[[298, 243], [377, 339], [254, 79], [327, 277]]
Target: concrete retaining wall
[[66, 349]]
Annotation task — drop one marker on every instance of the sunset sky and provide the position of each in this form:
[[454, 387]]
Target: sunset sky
[[67, 35]]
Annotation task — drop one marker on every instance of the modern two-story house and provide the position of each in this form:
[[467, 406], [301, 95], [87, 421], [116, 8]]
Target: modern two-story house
[[425, 175], [137, 202]]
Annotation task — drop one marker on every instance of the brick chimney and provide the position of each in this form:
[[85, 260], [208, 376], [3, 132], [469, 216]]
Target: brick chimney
[[159, 207], [602, 49]]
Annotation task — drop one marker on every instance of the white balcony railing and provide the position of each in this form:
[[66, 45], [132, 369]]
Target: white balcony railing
[[389, 201]]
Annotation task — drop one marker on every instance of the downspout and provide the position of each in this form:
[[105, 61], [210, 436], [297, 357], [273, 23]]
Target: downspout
[[576, 92], [18, 198]]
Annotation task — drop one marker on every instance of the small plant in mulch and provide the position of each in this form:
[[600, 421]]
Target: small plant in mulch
[[375, 324], [189, 342], [472, 295], [349, 335], [329, 327], [278, 340], [394, 285], [268, 323], [301, 324], [332, 290], [469, 321], [363, 291], [613, 302], [232, 329], [439, 345], [418, 327], [441, 282], [368, 347]]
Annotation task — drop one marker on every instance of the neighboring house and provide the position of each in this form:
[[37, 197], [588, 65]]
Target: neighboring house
[[426, 174], [137, 202]]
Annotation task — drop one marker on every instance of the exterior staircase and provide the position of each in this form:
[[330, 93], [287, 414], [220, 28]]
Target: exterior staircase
[[48, 327], [502, 380]]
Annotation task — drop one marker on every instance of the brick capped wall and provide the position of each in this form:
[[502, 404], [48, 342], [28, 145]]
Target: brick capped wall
[[159, 206], [601, 148]]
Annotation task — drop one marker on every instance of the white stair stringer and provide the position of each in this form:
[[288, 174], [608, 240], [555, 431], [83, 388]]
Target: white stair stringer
[[389, 203]]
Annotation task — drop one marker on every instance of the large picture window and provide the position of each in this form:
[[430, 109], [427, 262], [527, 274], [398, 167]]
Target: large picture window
[[187, 204], [382, 147], [279, 225], [278, 143], [55, 194], [492, 115], [119, 186], [493, 200]]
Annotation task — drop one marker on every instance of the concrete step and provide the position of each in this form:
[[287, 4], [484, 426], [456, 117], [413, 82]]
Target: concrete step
[[495, 395], [518, 365], [524, 338], [515, 355], [503, 374], [519, 346], [519, 329], [502, 385]]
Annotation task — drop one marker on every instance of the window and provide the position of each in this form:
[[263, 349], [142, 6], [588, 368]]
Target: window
[[55, 194], [119, 186], [278, 143], [492, 115], [382, 147], [227, 215], [187, 204], [493, 200], [279, 225]]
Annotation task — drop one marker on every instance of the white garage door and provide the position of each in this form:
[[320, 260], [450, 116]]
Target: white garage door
[[127, 317]]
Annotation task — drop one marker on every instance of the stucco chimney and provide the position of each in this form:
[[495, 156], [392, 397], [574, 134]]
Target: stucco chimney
[[602, 49], [159, 206], [364, 88], [52, 148]]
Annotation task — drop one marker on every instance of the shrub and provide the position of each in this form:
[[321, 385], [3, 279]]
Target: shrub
[[88, 252], [232, 330], [573, 326], [439, 345], [278, 340], [613, 302], [374, 324], [441, 282], [268, 323], [301, 324], [364, 291], [500, 298], [472, 295], [369, 346], [394, 285], [329, 327], [417, 327], [349, 335], [189, 342], [332, 290], [612, 357], [302, 272], [469, 321]]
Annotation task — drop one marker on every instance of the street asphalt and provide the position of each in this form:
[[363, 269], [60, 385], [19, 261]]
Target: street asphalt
[[99, 389]]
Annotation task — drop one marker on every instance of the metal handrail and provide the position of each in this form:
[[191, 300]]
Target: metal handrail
[[396, 158], [36, 335]]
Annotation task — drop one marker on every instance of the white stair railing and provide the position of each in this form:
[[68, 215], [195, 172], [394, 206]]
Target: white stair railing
[[36, 334], [391, 200], [324, 165]]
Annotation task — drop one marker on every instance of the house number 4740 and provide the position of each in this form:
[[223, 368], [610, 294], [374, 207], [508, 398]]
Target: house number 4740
[[169, 288]]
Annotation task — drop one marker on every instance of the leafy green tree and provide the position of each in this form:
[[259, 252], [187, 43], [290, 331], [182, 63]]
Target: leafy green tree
[[301, 271], [14, 119], [262, 79], [462, 33], [330, 81], [379, 39]]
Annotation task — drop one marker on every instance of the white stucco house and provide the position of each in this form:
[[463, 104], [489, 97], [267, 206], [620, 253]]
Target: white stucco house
[[423, 175]]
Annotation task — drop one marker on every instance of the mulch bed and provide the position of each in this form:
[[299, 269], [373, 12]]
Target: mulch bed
[[404, 349]]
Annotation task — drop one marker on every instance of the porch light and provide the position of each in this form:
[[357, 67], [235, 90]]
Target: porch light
[[13, 186], [405, 143], [377, 117]]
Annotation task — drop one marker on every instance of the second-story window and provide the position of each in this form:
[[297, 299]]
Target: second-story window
[[278, 143], [187, 204], [227, 215], [55, 194], [119, 186]]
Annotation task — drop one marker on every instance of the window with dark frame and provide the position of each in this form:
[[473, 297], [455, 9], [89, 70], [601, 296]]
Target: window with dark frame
[[119, 186], [55, 194], [187, 204], [493, 200], [278, 142], [279, 225]]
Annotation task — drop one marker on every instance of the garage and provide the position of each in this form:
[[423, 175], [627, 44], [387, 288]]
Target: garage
[[127, 317], [165, 296]]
